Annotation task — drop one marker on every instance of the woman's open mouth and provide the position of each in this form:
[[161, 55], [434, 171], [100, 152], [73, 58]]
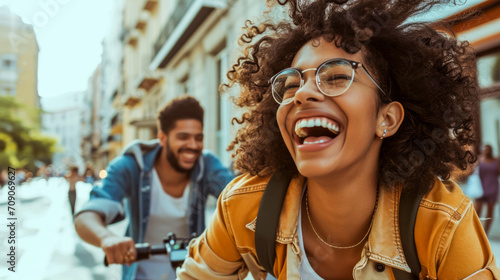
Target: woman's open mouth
[[315, 130]]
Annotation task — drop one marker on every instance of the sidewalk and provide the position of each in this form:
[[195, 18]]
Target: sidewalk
[[494, 235], [495, 247]]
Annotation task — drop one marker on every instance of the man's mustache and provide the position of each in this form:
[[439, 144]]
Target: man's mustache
[[190, 150]]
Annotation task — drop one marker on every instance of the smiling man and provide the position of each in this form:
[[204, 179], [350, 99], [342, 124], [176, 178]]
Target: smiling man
[[166, 182]]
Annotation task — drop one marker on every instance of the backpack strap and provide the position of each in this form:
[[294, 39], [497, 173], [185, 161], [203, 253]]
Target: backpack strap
[[268, 218], [408, 208]]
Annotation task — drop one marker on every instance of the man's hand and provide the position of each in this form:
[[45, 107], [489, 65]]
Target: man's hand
[[119, 249]]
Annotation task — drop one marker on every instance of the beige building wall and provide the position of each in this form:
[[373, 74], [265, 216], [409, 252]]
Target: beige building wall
[[18, 59]]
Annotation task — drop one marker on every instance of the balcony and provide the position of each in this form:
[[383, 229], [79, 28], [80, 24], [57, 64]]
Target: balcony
[[132, 37], [145, 122], [116, 129], [186, 18], [116, 123], [131, 100], [147, 83], [132, 41], [142, 21], [141, 25], [146, 79], [150, 5]]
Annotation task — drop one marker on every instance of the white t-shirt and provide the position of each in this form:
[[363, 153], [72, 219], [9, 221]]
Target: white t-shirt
[[166, 214], [305, 269]]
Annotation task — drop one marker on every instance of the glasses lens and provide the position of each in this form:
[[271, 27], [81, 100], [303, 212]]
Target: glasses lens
[[335, 77], [285, 85]]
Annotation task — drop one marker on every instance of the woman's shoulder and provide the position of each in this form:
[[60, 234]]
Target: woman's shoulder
[[447, 231], [447, 197], [239, 204], [243, 185]]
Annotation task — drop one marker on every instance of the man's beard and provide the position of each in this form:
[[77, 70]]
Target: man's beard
[[174, 161]]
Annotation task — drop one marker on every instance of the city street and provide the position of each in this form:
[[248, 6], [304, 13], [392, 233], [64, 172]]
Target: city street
[[47, 245]]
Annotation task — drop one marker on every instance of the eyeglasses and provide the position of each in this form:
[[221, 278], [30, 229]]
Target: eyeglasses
[[333, 78]]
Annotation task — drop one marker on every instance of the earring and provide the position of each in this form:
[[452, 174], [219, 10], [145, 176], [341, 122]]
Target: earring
[[383, 135]]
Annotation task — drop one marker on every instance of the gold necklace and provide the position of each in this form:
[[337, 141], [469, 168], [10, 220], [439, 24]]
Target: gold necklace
[[331, 245]]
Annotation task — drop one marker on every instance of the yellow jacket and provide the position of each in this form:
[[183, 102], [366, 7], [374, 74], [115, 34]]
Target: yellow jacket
[[450, 240]]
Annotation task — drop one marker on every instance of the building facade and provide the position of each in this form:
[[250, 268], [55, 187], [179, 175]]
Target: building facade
[[18, 59], [176, 47], [112, 83], [92, 117]]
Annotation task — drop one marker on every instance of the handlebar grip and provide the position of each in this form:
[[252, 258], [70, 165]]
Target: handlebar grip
[[143, 252]]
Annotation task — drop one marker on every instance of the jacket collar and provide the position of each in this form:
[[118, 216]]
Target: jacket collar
[[384, 242], [144, 152], [198, 170]]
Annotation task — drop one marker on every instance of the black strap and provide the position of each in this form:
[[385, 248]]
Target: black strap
[[408, 208], [268, 218]]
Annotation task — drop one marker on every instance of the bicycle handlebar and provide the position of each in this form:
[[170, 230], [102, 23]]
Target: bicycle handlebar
[[175, 248]]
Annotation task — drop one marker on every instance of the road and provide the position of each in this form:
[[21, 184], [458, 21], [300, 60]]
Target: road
[[47, 246]]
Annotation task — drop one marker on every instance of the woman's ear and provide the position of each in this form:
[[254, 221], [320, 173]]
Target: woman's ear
[[390, 117]]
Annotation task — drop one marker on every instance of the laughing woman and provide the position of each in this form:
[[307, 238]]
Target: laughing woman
[[355, 106]]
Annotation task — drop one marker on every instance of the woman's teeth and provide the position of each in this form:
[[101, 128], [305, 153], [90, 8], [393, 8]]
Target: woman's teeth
[[315, 122], [315, 142]]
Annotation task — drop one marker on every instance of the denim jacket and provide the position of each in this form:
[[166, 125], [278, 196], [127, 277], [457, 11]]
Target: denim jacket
[[129, 177], [450, 241]]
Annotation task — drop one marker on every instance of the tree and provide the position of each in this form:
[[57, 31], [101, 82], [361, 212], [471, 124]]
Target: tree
[[21, 142]]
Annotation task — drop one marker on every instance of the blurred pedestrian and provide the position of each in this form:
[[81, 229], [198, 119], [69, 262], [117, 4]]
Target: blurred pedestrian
[[45, 172], [72, 179], [89, 175], [489, 171], [3, 177]]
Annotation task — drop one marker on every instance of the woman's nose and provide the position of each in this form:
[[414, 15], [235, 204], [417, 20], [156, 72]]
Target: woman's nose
[[309, 91]]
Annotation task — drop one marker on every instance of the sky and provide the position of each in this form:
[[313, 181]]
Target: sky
[[69, 35]]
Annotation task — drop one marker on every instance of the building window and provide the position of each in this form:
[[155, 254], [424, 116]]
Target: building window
[[9, 62], [184, 84], [488, 67], [6, 90]]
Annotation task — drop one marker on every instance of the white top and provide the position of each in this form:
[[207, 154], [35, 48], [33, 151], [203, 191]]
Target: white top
[[305, 269], [166, 214]]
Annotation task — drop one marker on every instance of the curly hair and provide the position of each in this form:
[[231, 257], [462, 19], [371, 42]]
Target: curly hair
[[421, 65], [180, 108]]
